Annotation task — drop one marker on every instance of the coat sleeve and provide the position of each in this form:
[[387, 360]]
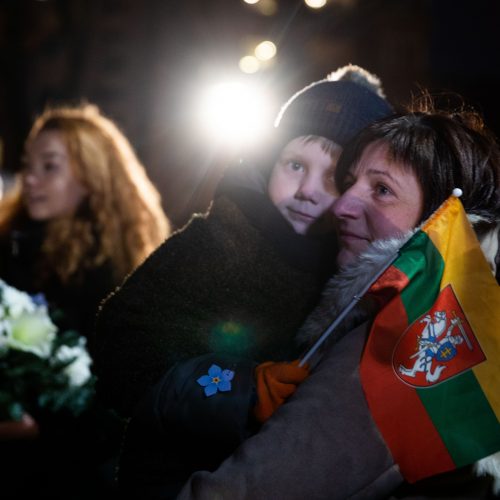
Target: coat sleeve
[[322, 443], [177, 428]]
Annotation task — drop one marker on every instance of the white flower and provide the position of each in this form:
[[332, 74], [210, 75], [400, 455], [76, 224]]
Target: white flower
[[26, 327], [78, 371], [14, 302], [33, 332]]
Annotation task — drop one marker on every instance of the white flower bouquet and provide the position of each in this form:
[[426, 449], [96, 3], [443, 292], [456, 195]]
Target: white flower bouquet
[[41, 369]]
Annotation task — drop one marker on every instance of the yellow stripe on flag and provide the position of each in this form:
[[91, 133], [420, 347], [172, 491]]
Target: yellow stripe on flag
[[478, 293]]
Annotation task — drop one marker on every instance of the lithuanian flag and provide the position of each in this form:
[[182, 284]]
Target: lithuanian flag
[[431, 365]]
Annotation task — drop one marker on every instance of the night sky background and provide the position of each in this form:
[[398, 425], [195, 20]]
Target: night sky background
[[144, 63]]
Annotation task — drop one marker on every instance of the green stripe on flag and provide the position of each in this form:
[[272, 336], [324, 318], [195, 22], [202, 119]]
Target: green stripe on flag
[[463, 417], [458, 408], [424, 275]]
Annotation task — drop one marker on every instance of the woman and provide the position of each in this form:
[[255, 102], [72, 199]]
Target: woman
[[83, 216], [323, 443]]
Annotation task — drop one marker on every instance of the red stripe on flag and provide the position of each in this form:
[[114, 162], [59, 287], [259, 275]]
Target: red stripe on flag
[[388, 285], [396, 407]]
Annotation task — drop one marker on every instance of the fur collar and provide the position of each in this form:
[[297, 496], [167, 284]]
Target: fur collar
[[344, 286], [490, 465]]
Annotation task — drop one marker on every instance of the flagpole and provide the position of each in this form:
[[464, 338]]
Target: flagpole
[[355, 299]]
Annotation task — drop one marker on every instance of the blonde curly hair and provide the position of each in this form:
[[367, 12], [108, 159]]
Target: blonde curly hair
[[121, 221]]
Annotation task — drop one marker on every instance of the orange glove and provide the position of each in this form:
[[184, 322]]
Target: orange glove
[[275, 383]]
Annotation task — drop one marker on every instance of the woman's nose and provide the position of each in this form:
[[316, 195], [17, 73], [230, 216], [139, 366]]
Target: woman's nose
[[29, 177], [347, 206]]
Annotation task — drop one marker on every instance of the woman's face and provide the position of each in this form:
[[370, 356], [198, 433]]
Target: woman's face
[[380, 199], [50, 189]]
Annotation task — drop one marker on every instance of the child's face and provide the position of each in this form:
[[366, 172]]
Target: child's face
[[302, 185]]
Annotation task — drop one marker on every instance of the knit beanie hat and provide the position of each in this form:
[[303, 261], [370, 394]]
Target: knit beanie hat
[[337, 107]]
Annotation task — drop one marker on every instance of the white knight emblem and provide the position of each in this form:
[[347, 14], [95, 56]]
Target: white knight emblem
[[436, 345]]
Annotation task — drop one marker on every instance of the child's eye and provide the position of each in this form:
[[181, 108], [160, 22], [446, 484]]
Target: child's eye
[[296, 166]]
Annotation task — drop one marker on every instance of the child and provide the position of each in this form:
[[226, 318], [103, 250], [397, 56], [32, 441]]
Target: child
[[240, 280]]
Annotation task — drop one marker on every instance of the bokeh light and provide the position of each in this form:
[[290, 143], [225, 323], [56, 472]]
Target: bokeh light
[[315, 4], [267, 7], [265, 50], [235, 113], [251, 2], [249, 64], [233, 337]]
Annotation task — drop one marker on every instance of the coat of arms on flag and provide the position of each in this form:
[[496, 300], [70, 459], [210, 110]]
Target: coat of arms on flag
[[438, 345]]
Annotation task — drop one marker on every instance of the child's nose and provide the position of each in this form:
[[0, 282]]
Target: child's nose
[[308, 189]]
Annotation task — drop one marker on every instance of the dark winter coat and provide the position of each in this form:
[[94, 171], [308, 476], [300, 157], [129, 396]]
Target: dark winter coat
[[237, 281]]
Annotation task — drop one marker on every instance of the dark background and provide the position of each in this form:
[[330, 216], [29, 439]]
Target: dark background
[[144, 62]]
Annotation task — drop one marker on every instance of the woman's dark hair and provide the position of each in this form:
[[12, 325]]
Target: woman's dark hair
[[444, 149]]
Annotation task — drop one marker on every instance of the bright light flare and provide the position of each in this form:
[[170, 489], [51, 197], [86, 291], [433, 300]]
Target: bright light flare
[[235, 114]]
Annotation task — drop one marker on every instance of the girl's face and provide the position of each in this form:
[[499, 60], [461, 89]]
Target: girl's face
[[380, 199], [50, 189]]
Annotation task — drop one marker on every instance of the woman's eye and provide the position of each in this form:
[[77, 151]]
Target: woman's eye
[[382, 190], [50, 167]]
